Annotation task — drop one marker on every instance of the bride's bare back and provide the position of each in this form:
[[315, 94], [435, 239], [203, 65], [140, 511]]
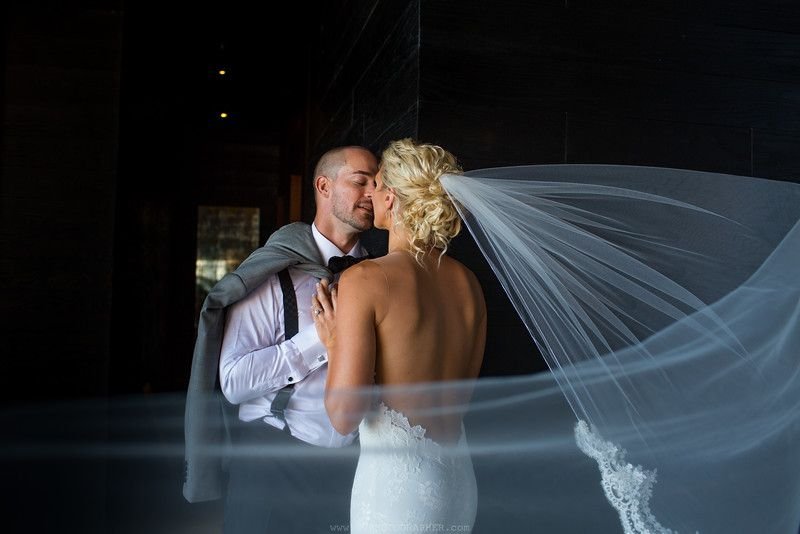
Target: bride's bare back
[[433, 329], [397, 324], [430, 327]]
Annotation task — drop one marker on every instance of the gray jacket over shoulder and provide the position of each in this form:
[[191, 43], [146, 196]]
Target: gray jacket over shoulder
[[208, 414]]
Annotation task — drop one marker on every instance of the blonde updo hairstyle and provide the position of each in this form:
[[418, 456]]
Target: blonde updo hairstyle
[[423, 208]]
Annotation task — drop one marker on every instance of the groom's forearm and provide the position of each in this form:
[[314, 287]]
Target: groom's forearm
[[250, 374]]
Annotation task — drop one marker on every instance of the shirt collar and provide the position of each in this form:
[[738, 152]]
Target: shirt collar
[[327, 249]]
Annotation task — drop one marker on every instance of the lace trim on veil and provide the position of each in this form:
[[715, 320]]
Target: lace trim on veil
[[628, 487]]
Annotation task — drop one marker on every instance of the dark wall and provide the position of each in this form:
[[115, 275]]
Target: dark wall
[[59, 148], [363, 78], [708, 85], [177, 153], [703, 85], [61, 64], [110, 139]]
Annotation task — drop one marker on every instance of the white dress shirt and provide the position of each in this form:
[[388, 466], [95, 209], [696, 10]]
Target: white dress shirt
[[256, 361]]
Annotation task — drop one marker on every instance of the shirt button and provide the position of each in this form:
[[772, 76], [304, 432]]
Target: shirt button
[[321, 359], [291, 379]]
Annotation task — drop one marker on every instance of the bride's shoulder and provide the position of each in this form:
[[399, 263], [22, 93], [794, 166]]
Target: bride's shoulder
[[366, 275], [464, 278], [459, 268]]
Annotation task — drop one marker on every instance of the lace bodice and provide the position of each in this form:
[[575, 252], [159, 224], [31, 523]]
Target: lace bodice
[[392, 429], [405, 480]]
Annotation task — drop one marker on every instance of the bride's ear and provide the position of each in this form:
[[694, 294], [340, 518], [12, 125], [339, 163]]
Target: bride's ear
[[389, 199]]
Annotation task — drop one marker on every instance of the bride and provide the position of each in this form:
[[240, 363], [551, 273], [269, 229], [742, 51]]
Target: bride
[[665, 303], [413, 316]]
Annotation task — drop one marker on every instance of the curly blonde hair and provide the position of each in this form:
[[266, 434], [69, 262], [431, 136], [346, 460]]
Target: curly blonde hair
[[412, 170]]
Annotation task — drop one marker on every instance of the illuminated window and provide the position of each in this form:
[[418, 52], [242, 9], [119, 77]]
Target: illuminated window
[[225, 237]]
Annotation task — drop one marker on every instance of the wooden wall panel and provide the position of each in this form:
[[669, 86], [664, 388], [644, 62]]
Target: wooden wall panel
[[364, 80], [59, 149], [776, 155], [489, 136], [632, 141], [708, 85]]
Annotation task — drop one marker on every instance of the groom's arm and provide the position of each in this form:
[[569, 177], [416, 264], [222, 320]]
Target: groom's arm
[[253, 362]]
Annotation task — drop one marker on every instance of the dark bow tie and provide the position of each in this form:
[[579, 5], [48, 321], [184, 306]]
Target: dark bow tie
[[338, 264]]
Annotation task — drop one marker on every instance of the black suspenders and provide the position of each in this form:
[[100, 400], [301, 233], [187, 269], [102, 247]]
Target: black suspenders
[[290, 328]]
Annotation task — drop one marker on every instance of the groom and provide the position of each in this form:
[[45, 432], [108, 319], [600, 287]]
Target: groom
[[257, 323]]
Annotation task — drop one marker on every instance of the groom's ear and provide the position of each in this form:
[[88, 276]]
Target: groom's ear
[[322, 185]]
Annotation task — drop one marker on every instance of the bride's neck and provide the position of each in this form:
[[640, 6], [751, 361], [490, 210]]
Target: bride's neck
[[398, 240]]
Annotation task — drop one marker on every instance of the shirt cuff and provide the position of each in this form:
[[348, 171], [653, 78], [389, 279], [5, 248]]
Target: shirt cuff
[[312, 352]]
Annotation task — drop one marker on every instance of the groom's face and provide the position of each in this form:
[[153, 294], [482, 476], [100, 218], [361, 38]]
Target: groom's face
[[351, 192]]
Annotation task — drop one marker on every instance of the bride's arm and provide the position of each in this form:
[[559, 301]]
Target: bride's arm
[[347, 328]]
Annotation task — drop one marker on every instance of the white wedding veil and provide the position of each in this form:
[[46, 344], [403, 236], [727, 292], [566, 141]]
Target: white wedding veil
[[666, 304]]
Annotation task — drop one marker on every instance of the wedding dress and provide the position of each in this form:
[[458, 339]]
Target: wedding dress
[[406, 482]]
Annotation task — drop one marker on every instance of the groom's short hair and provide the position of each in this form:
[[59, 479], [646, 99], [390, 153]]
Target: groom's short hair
[[332, 160]]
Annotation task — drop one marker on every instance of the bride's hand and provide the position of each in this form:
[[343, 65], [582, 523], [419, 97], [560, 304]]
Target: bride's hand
[[323, 310]]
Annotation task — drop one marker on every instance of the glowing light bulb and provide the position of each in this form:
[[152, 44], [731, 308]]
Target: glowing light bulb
[[223, 115], [222, 72]]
